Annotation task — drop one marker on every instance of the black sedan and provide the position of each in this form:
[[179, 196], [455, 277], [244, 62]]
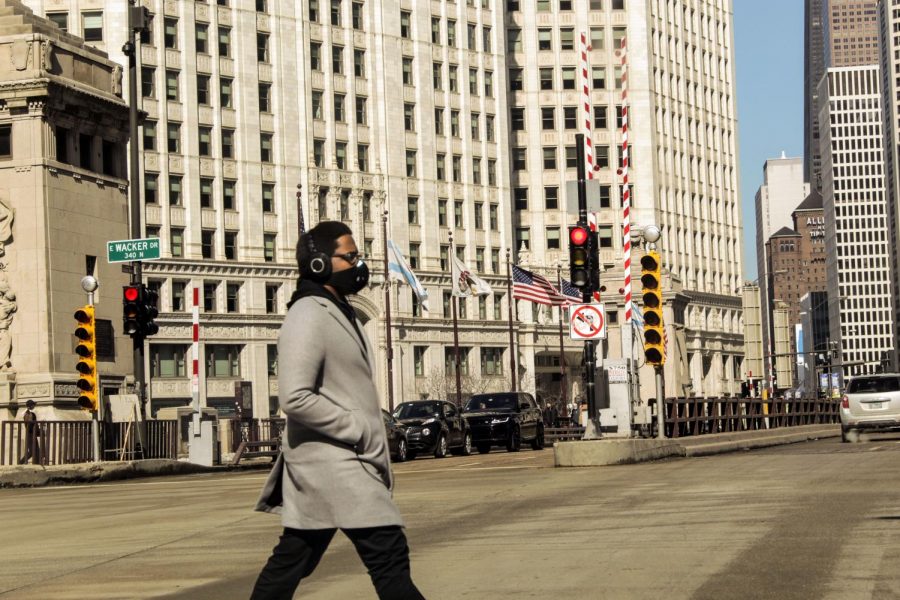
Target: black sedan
[[504, 419], [434, 427], [396, 435]]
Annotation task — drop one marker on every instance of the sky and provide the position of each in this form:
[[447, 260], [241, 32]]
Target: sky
[[768, 40]]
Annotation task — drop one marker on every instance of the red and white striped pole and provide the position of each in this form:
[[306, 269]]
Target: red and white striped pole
[[626, 192], [195, 355], [588, 129]]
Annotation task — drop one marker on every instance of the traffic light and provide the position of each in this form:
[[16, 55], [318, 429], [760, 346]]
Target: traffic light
[[86, 349], [651, 279], [139, 310], [579, 257]]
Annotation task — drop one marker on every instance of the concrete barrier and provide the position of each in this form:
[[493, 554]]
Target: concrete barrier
[[596, 453]]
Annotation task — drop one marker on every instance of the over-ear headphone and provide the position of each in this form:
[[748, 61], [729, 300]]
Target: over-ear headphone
[[319, 264]]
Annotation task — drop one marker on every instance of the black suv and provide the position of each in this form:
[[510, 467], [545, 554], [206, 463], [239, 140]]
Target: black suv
[[504, 419], [434, 427]]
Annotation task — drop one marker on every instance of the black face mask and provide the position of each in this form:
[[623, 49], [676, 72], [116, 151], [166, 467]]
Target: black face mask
[[350, 281]]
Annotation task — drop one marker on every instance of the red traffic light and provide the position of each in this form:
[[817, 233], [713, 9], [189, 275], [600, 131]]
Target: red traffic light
[[131, 293], [578, 236]]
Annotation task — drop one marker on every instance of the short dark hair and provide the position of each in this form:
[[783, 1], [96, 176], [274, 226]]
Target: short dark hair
[[325, 238]]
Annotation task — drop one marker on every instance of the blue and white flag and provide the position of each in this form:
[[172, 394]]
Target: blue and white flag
[[637, 315], [399, 270]]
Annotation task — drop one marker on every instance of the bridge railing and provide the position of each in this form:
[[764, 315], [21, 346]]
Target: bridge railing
[[255, 430], [699, 416]]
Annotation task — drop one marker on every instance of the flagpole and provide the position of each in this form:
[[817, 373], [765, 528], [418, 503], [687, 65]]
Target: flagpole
[[453, 301], [387, 316], [562, 354], [512, 335]]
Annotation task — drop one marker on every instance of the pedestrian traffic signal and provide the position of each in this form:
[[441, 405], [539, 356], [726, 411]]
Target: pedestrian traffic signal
[[580, 257], [139, 311], [651, 279], [86, 365]]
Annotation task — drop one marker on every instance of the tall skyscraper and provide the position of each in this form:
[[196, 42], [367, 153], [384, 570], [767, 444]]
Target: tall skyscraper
[[782, 191], [838, 33], [889, 22], [857, 240], [813, 67], [455, 117]]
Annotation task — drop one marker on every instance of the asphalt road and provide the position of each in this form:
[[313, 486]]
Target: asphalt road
[[818, 520]]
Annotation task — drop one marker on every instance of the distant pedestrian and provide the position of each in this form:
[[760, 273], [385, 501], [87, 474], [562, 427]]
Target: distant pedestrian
[[32, 451], [334, 471]]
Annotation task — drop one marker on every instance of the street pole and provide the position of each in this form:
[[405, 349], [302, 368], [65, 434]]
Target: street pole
[[453, 301], [660, 404], [590, 359], [387, 315], [563, 380], [512, 336], [134, 183]]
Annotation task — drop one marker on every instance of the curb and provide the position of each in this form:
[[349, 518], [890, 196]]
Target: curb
[[595, 453], [25, 476]]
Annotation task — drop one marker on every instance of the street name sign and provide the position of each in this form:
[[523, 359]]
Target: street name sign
[[587, 322], [128, 250]]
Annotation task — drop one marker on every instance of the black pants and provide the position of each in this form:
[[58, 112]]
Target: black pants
[[382, 549]]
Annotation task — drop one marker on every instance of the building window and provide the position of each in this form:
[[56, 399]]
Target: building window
[[492, 361], [272, 298], [618, 36], [209, 296], [315, 56], [545, 39], [601, 157], [60, 19], [204, 142], [407, 70], [567, 38], [175, 190], [492, 172], [206, 192], [605, 236], [570, 117], [514, 40], [552, 238], [171, 85], [265, 147], [405, 24], [314, 11], [598, 78], [605, 196], [410, 163], [318, 107], [479, 259], [176, 242], [227, 143], [272, 360], [412, 210], [523, 237], [225, 92], [473, 82], [548, 117], [442, 212], [179, 303], [498, 305], [151, 188], [224, 42], [516, 80], [149, 137], [550, 158], [265, 97], [168, 360], [571, 157], [453, 78], [361, 112], [409, 117], [201, 38], [546, 78], [600, 117], [456, 167], [520, 198], [337, 59], [262, 47], [231, 246], [340, 155], [440, 163], [450, 359], [445, 258], [269, 247], [223, 360], [170, 33], [336, 13], [232, 294], [203, 89], [174, 137], [551, 198], [568, 78], [493, 217], [268, 198], [458, 214], [446, 306], [451, 33], [419, 360], [357, 15], [359, 63], [92, 26], [486, 39], [148, 87], [362, 157], [319, 153], [207, 243]]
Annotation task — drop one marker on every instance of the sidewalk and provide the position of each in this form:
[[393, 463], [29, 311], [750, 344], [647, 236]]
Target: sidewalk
[[597, 453], [37, 476]]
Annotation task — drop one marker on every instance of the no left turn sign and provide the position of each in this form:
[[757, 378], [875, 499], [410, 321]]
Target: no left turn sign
[[587, 322]]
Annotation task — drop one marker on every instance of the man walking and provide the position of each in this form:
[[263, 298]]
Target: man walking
[[31, 443], [334, 471]]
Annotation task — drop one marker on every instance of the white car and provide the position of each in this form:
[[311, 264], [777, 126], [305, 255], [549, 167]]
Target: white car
[[871, 402]]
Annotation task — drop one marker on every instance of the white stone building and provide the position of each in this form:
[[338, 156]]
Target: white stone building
[[860, 308], [426, 110]]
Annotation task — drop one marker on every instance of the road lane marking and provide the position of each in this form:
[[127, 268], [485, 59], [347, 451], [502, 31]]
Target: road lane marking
[[117, 484], [478, 463], [475, 469]]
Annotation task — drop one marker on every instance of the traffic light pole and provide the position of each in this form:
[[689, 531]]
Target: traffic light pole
[[660, 403], [130, 50], [590, 358]]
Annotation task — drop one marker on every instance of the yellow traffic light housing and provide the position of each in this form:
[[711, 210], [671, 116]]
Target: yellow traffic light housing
[[86, 365], [654, 338]]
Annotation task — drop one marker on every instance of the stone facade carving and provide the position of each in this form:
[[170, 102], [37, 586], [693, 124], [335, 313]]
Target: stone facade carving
[[7, 215], [47, 57], [21, 51], [65, 390], [8, 308], [33, 390]]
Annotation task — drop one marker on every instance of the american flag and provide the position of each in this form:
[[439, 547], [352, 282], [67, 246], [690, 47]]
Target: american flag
[[535, 288], [572, 293]]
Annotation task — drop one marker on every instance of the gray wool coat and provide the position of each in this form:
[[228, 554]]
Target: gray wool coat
[[334, 470]]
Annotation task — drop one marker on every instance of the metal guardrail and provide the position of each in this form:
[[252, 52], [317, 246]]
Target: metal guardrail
[[562, 434], [67, 442], [255, 430], [699, 416]]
